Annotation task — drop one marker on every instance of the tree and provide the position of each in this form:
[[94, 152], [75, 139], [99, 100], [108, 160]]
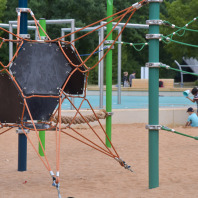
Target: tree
[[2, 8], [180, 12], [86, 12]]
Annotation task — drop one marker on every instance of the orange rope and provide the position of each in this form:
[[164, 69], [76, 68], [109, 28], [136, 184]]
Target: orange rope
[[86, 143], [96, 47], [62, 95], [47, 167], [5, 131], [18, 25], [89, 125], [36, 132], [37, 23]]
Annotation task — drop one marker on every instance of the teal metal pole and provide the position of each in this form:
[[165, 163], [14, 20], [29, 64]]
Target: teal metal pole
[[109, 75], [154, 11], [42, 22]]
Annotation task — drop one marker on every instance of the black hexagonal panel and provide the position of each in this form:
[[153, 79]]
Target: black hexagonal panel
[[40, 108], [40, 68], [76, 83], [11, 102]]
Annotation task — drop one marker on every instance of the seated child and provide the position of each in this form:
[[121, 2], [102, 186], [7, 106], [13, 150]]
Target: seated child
[[192, 118]]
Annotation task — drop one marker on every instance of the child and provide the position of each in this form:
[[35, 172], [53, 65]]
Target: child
[[194, 92], [192, 118]]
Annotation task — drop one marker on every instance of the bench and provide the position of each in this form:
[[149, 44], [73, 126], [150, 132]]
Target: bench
[[143, 83]]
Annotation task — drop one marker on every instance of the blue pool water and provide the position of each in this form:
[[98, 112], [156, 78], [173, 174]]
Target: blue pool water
[[133, 102]]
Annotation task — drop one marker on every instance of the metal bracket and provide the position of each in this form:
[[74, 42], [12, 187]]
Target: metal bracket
[[108, 41], [154, 22], [153, 64], [20, 131], [109, 113], [24, 36], [42, 38], [154, 127], [23, 10], [137, 5], [154, 36], [155, 1], [109, 46]]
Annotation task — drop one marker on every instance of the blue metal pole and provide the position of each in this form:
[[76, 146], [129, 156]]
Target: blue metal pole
[[22, 140]]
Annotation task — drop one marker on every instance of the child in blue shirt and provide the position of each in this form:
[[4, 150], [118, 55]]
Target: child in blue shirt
[[194, 92], [192, 118]]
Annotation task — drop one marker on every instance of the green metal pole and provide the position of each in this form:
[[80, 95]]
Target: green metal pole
[[109, 75], [154, 11], [42, 22]]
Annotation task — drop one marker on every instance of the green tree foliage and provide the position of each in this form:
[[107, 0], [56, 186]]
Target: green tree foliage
[[88, 11], [2, 8], [2, 12], [180, 12]]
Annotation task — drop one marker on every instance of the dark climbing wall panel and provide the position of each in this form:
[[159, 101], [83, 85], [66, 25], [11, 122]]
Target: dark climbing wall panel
[[41, 108], [11, 102], [40, 68], [76, 82]]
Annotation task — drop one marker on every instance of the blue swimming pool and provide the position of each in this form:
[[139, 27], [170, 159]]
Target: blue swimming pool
[[133, 102]]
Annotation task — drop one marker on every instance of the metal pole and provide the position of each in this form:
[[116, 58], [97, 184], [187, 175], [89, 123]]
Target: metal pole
[[101, 70], [72, 38], [154, 11], [109, 75], [119, 65], [10, 43], [42, 22], [22, 140], [99, 57], [181, 73]]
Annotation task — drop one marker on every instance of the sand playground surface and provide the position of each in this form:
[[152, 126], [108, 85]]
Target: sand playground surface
[[87, 173]]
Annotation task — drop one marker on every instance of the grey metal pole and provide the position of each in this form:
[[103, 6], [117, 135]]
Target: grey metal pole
[[36, 34], [99, 57], [10, 43], [73, 30], [131, 25], [181, 73], [72, 38], [101, 70], [119, 65]]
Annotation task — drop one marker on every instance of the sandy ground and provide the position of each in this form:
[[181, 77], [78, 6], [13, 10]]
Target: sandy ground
[[86, 173]]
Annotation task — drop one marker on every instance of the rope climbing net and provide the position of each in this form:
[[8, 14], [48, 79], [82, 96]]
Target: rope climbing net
[[56, 120]]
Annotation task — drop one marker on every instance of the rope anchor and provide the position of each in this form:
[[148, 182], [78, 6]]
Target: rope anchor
[[123, 163], [57, 185]]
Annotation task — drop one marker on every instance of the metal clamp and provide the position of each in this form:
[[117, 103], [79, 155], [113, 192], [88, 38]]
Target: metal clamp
[[109, 113], [108, 41], [154, 36], [154, 127], [42, 38], [153, 64], [123, 163], [24, 36], [23, 10], [20, 131], [137, 5], [154, 22], [108, 46], [155, 1]]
